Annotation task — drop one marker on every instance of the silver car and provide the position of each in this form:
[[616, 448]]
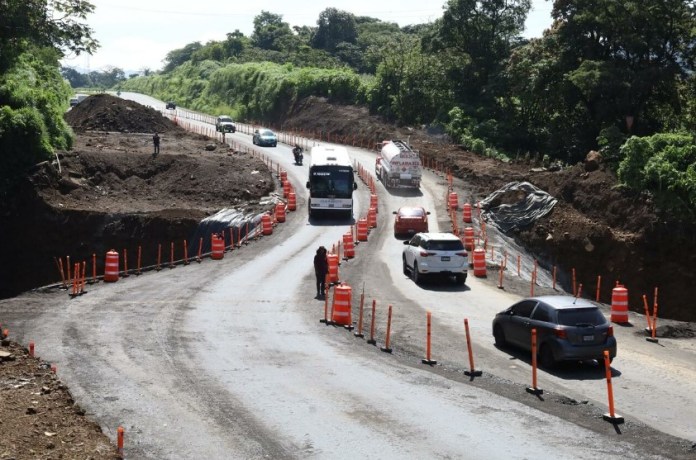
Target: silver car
[[568, 329]]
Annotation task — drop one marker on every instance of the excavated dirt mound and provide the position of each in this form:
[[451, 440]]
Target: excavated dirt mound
[[103, 112]]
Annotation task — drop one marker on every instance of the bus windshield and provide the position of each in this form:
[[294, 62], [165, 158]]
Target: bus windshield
[[331, 182]]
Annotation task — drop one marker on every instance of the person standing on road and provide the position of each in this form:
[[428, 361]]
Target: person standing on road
[[156, 143], [321, 268]]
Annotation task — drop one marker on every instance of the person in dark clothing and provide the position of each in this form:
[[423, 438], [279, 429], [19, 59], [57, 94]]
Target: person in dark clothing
[[321, 268], [155, 143]]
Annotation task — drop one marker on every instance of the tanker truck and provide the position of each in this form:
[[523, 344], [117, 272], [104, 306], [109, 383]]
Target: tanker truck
[[397, 166]]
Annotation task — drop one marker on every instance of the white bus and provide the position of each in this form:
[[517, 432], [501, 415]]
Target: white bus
[[331, 182]]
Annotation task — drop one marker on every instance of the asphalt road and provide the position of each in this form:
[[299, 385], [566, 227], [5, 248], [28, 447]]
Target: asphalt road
[[227, 359]]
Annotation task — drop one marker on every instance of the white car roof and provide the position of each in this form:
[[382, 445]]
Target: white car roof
[[439, 236]]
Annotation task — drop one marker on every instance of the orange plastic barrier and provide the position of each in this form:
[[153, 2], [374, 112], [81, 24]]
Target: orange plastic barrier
[[343, 296], [292, 201], [348, 246], [362, 229], [283, 176], [266, 224], [333, 267], [217, 243], [619, 304], [286, 189], [373, 202], [479, 262], [466, 213], [453, 201], [469, 238], [111, 266], [280, 212], [372, 217]]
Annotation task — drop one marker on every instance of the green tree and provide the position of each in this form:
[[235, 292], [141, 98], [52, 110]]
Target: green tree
[[176, 57], [627, 58], [75, 78], [482, 34], [334, 27], [58, 24], [270, 32]]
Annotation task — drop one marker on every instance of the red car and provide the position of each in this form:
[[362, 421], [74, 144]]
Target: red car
[[410, 220]]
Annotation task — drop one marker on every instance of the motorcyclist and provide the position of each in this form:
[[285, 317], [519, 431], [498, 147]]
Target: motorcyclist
[[297, 151]]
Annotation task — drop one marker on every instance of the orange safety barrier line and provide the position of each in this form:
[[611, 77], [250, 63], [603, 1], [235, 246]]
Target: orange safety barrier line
[[647, 313], [140, 253], [575, 289], [372, 340], [186, 261], [359, 333], [200, 250], [94, 268], [231, 239], [84, 277], [125, 262], [427, 359], [67, 268], [60, 269], [239, 236], [171, 254], [611, 417], [119, 440], [579, 293], [159, 257], [471, 372], [500, 276], [599, 284], [386, 347], [534, 389], [653, 329]]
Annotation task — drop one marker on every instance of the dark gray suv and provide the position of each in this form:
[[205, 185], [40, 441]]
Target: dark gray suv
[[568, 329]]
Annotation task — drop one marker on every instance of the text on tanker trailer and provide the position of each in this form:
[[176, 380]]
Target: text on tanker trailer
[[397, 166]]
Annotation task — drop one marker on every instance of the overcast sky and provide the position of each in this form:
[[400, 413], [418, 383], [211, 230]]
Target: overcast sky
[[138, 34]]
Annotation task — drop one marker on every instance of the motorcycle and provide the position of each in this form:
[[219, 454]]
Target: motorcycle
[[297, 151]]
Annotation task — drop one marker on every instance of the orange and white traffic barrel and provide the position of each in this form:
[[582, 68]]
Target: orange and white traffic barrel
[[266, 224], [373, 202], [342, 305], [469, 238], [453, 201], [372, 217], [280, 212], [111, 266], [332, 259], [466, 213], [292, 201], [348, 245], [283, 176], [362, 229], [619, 304], [217, 244], [479, 262], [286, 189]]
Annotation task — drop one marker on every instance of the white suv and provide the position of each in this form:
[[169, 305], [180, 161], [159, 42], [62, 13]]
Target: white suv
[[435, 253]]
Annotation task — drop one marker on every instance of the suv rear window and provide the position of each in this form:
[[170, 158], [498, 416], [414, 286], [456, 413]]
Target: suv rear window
[[443, 245], [578, 316]]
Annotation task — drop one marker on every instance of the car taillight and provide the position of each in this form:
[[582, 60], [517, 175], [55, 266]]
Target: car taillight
[[610, 331], [461, 254], [426, 253], [560, 333]]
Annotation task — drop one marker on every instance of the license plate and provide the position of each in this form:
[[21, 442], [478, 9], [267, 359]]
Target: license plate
[[331, 205], [588, 338], [445, 258]]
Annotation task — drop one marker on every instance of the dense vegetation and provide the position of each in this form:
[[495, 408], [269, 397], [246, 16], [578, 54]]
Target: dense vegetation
[[611, 76], [33, 95]]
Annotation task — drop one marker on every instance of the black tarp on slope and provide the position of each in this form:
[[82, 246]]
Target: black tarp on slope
[[516, 206]]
